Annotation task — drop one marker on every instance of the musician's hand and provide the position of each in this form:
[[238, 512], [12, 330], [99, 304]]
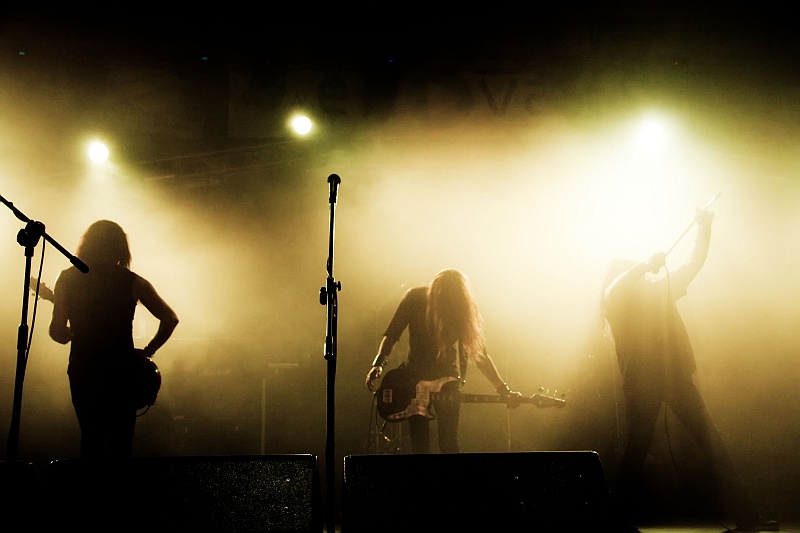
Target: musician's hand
[[142, 352], [703, 217], [373, 374], [656, 262], [513, 400]]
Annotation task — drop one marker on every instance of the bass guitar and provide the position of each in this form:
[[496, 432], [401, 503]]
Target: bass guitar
[[145, 377], [400, 396]]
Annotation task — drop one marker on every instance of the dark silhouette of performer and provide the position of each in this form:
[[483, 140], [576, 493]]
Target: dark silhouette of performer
[[445, 333], [94, 311], [657, 363]]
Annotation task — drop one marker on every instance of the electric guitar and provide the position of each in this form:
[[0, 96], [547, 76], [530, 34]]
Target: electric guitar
[[144, 373], [44, 292], [400, 396]]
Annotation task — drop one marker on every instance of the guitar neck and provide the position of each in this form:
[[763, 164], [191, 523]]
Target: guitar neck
[[482, 398], [45, 293], [477, 398], [537, 399]]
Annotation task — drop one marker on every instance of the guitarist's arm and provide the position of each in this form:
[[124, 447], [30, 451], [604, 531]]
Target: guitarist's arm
[[486, 365], [59, 322], [168, 320], [384, 351]]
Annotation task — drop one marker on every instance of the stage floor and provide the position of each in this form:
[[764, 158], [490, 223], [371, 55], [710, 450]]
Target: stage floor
[[263, 492], [793, 527], [706, 528]]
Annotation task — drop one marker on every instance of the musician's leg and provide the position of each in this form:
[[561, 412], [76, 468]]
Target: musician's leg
[[448, 413], [87, 402], [726, 483], [119, 420], [120, 427], [419, 433], [642, 405], [92, 437]]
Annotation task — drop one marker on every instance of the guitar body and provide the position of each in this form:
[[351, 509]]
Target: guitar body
[[401, 396], [145, 380]]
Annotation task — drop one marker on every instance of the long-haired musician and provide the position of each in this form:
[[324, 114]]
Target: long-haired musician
[[94, 311], [445, 333]]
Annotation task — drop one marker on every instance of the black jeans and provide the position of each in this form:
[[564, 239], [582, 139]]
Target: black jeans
[[447, 412], [106, 419]]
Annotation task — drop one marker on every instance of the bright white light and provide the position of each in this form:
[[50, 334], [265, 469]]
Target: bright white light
[[98, 152], [652, 134], [301, 124]]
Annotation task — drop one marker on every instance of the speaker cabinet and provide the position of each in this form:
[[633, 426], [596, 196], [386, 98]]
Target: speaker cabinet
[[529, 491], [20, 492], [219, 494]]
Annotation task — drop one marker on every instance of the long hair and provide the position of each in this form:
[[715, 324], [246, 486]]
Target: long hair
[[614, 270], [453, 315], [104, 243]]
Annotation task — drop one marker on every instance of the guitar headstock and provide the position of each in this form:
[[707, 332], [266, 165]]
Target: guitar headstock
[[45, 292], [543, 398]]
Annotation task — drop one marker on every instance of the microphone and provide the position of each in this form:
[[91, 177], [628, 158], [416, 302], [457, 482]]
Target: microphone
[[334, 181], [713, 199]]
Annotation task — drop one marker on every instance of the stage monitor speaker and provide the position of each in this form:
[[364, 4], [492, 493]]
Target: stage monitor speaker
[[200, 494], [20, 489], [527, 491]]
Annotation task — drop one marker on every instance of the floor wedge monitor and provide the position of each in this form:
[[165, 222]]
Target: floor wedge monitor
[[528, 491], [267, 493]]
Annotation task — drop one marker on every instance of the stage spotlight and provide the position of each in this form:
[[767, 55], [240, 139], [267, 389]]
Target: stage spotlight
[[652, 133], [98, 152], [301, 125]]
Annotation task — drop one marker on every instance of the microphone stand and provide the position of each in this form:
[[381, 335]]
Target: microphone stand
[[328, 295], [27, 237]]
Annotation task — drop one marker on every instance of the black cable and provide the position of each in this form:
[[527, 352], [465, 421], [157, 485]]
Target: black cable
[[35, 302], [369, 447]]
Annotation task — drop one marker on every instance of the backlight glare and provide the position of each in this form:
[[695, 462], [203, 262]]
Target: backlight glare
[[301, 124], [652, 133], [98, 152]]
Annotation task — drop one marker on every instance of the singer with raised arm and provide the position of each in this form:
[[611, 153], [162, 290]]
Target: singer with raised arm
[[657, 363], [445, 333]]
